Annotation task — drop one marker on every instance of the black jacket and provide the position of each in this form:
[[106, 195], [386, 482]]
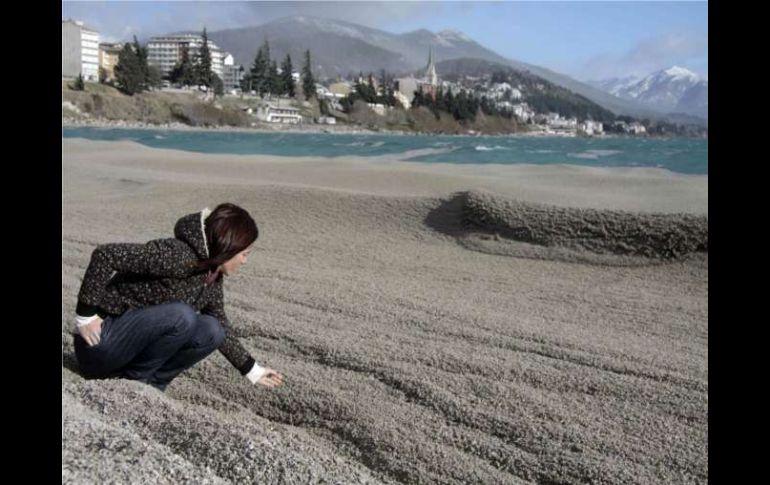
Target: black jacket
[[122, 276]]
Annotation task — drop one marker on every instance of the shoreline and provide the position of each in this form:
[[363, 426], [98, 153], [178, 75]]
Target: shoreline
[[637, 189], [324, 129]]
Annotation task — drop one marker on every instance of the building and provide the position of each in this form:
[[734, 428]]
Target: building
[[279, 114], [637, 128], [231, 77], [108, 59], [79, 50], [166, 51], [523, 111], [340, 88], [407, 86], [590, 127], [504, 91], [429, 84], [405, 102], [322, 91]]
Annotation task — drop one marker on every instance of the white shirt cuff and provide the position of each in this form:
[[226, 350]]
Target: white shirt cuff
[[83, 321], [256, 373]]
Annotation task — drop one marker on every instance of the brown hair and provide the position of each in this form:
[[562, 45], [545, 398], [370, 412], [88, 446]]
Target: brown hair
[[229, 230]]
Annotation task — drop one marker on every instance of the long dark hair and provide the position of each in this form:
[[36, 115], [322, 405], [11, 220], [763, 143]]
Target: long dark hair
[[229, 230]]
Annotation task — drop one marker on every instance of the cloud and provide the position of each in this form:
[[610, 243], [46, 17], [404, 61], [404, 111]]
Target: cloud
[[682, 48], [156, 18], [370, 14]]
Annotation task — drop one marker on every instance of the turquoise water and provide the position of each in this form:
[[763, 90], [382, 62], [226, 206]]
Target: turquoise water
[[680, 155]]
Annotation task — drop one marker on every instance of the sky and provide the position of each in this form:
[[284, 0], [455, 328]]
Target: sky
[[585, 40]]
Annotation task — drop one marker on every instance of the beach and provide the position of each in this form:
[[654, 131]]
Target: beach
[[415, 347]]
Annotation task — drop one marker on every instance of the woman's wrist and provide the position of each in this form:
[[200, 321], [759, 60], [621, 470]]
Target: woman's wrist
[[256, 373]]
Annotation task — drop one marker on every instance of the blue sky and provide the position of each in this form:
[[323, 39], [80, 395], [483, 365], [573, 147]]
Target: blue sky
[[586, 40]]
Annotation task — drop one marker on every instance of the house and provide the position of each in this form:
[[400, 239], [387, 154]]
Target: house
[[377, 108], [401, 99], [278, 114], [406, 86], [340, 88], [590, 127], [108, 59], [523, 111]]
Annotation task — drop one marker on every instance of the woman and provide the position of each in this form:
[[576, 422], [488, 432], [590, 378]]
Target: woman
[[150, 311]]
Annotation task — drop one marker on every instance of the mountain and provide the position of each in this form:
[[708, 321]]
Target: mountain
[[615, 85], [340, 48], [672, 90], [542, 95]]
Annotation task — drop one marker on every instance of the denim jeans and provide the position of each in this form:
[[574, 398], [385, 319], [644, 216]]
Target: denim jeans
[[152, 344]]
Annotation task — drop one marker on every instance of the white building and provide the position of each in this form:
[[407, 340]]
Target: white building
[[637, 128], [79, 50], [378, 108], [322, 91], [523, 111], [590, 127], [499, 90], [406, 86], [554, 120], [402, 100], [278, 114], [166, 51]]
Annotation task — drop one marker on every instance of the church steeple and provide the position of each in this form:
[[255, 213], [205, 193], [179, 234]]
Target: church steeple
[[430, 71]]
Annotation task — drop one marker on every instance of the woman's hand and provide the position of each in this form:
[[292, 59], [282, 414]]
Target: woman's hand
[[92, 332], [271, 378]]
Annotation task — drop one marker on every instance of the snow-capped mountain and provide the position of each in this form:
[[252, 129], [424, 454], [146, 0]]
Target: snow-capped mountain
[[675, 89], [615, 85], [342, 48]]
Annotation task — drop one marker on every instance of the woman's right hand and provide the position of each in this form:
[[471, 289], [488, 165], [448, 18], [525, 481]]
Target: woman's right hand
[[92, 332], [271, 378]]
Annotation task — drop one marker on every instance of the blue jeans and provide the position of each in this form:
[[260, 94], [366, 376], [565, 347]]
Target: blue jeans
[[152, 344]]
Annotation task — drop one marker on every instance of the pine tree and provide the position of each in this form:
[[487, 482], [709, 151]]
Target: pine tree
[[204, 62], [155, 77], [128, 73], [308, 82], [79, 85], [256, 77], [217, 85], [274, 81], [141, 60], [286, 77]]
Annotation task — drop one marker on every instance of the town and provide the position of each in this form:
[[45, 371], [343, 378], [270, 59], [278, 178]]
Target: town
[[186, 63]]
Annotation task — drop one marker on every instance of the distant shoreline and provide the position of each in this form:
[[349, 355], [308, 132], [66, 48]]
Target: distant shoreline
[[312, 129]]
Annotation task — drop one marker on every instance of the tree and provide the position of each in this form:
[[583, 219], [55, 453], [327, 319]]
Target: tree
[[323, 105], [204, 62], [287, 80], [184, 72], [217, 85], [141, 60], [79, 85], [128, 72], [155, 77], [102, 75], [274, 81], [256, 78], [308, 82]]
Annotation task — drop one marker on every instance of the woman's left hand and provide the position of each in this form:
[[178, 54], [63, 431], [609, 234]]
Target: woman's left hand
[[92, 332], [271, 378]]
